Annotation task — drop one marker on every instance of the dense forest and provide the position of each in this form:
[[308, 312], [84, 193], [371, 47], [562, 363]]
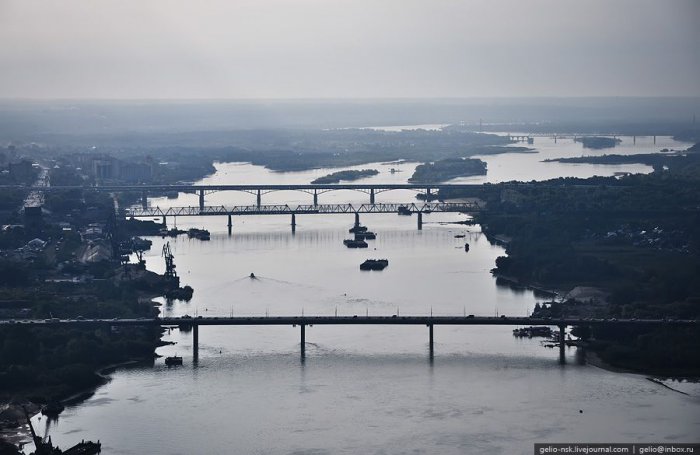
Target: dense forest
[[637, 238]]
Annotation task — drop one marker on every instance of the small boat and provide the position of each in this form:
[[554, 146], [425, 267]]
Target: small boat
[[173, 360], [367, 235], [201, 234], [85, 448], [174, 232], [351, 243], [459, 236], [356, 229], [403, 210], [466, 247], [374, 264], [252, 275]]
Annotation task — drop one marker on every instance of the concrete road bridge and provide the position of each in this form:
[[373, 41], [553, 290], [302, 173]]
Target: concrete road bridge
[[393, 320]]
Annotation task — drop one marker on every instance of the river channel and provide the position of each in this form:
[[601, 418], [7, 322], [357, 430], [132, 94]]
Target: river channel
[[365, 389]]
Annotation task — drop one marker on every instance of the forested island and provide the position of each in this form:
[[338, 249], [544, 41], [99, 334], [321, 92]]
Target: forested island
[[447, 169], [598, 142], [656, 160], [348, 175]]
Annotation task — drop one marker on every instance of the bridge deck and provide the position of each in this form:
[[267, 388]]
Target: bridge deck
[[356, 320], [263, 187]]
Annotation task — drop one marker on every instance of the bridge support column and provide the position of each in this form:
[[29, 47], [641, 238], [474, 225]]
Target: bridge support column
[[357, 219], [294, 222], [164, 223], [195, 343], [420, 221], [201, 200], [230, 224], [371, 196], [562, 344], [303, 340], [144, 200], [259, 199], [315, 198], [430, 331]]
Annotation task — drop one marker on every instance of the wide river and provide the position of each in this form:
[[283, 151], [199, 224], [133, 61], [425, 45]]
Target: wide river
[[365, 389]]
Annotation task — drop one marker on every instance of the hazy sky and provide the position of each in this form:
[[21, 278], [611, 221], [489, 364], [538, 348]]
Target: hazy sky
[[348, 49]]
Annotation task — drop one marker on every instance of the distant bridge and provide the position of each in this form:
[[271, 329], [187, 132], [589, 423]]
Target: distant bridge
[[303, 321], [285, 209]]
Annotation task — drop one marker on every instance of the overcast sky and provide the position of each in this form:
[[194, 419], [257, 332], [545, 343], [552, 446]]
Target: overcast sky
[[348, 49]]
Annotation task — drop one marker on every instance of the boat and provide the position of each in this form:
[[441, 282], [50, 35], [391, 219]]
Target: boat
[[352, 243], [403, 210], [174, 232], [537, 331], [367, 235], [173, 360], [85, 448], [201, 234], [466, 247], [374, 264], [356, 229], [44, 446]]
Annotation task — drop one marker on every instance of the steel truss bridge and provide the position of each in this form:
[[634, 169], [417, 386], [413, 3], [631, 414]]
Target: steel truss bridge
[[285, 209]]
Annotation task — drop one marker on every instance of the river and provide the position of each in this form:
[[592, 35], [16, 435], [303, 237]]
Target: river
[[363, 389]]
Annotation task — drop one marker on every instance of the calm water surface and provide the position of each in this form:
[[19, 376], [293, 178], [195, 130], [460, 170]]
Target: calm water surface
[[362, 389]]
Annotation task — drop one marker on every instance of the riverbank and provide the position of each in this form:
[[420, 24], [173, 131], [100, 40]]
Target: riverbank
[[13, 426], [657, 377]]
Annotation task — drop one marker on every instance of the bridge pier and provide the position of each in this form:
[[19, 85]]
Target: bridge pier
[[201, 200], [164, 223], [259, 199], [357, 219], [562, 344], [420, 221], [430, 331], [195, 343], [303, 340], [371, 196], [230, 224], [294, 222], [144, 200], [315, 198]]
